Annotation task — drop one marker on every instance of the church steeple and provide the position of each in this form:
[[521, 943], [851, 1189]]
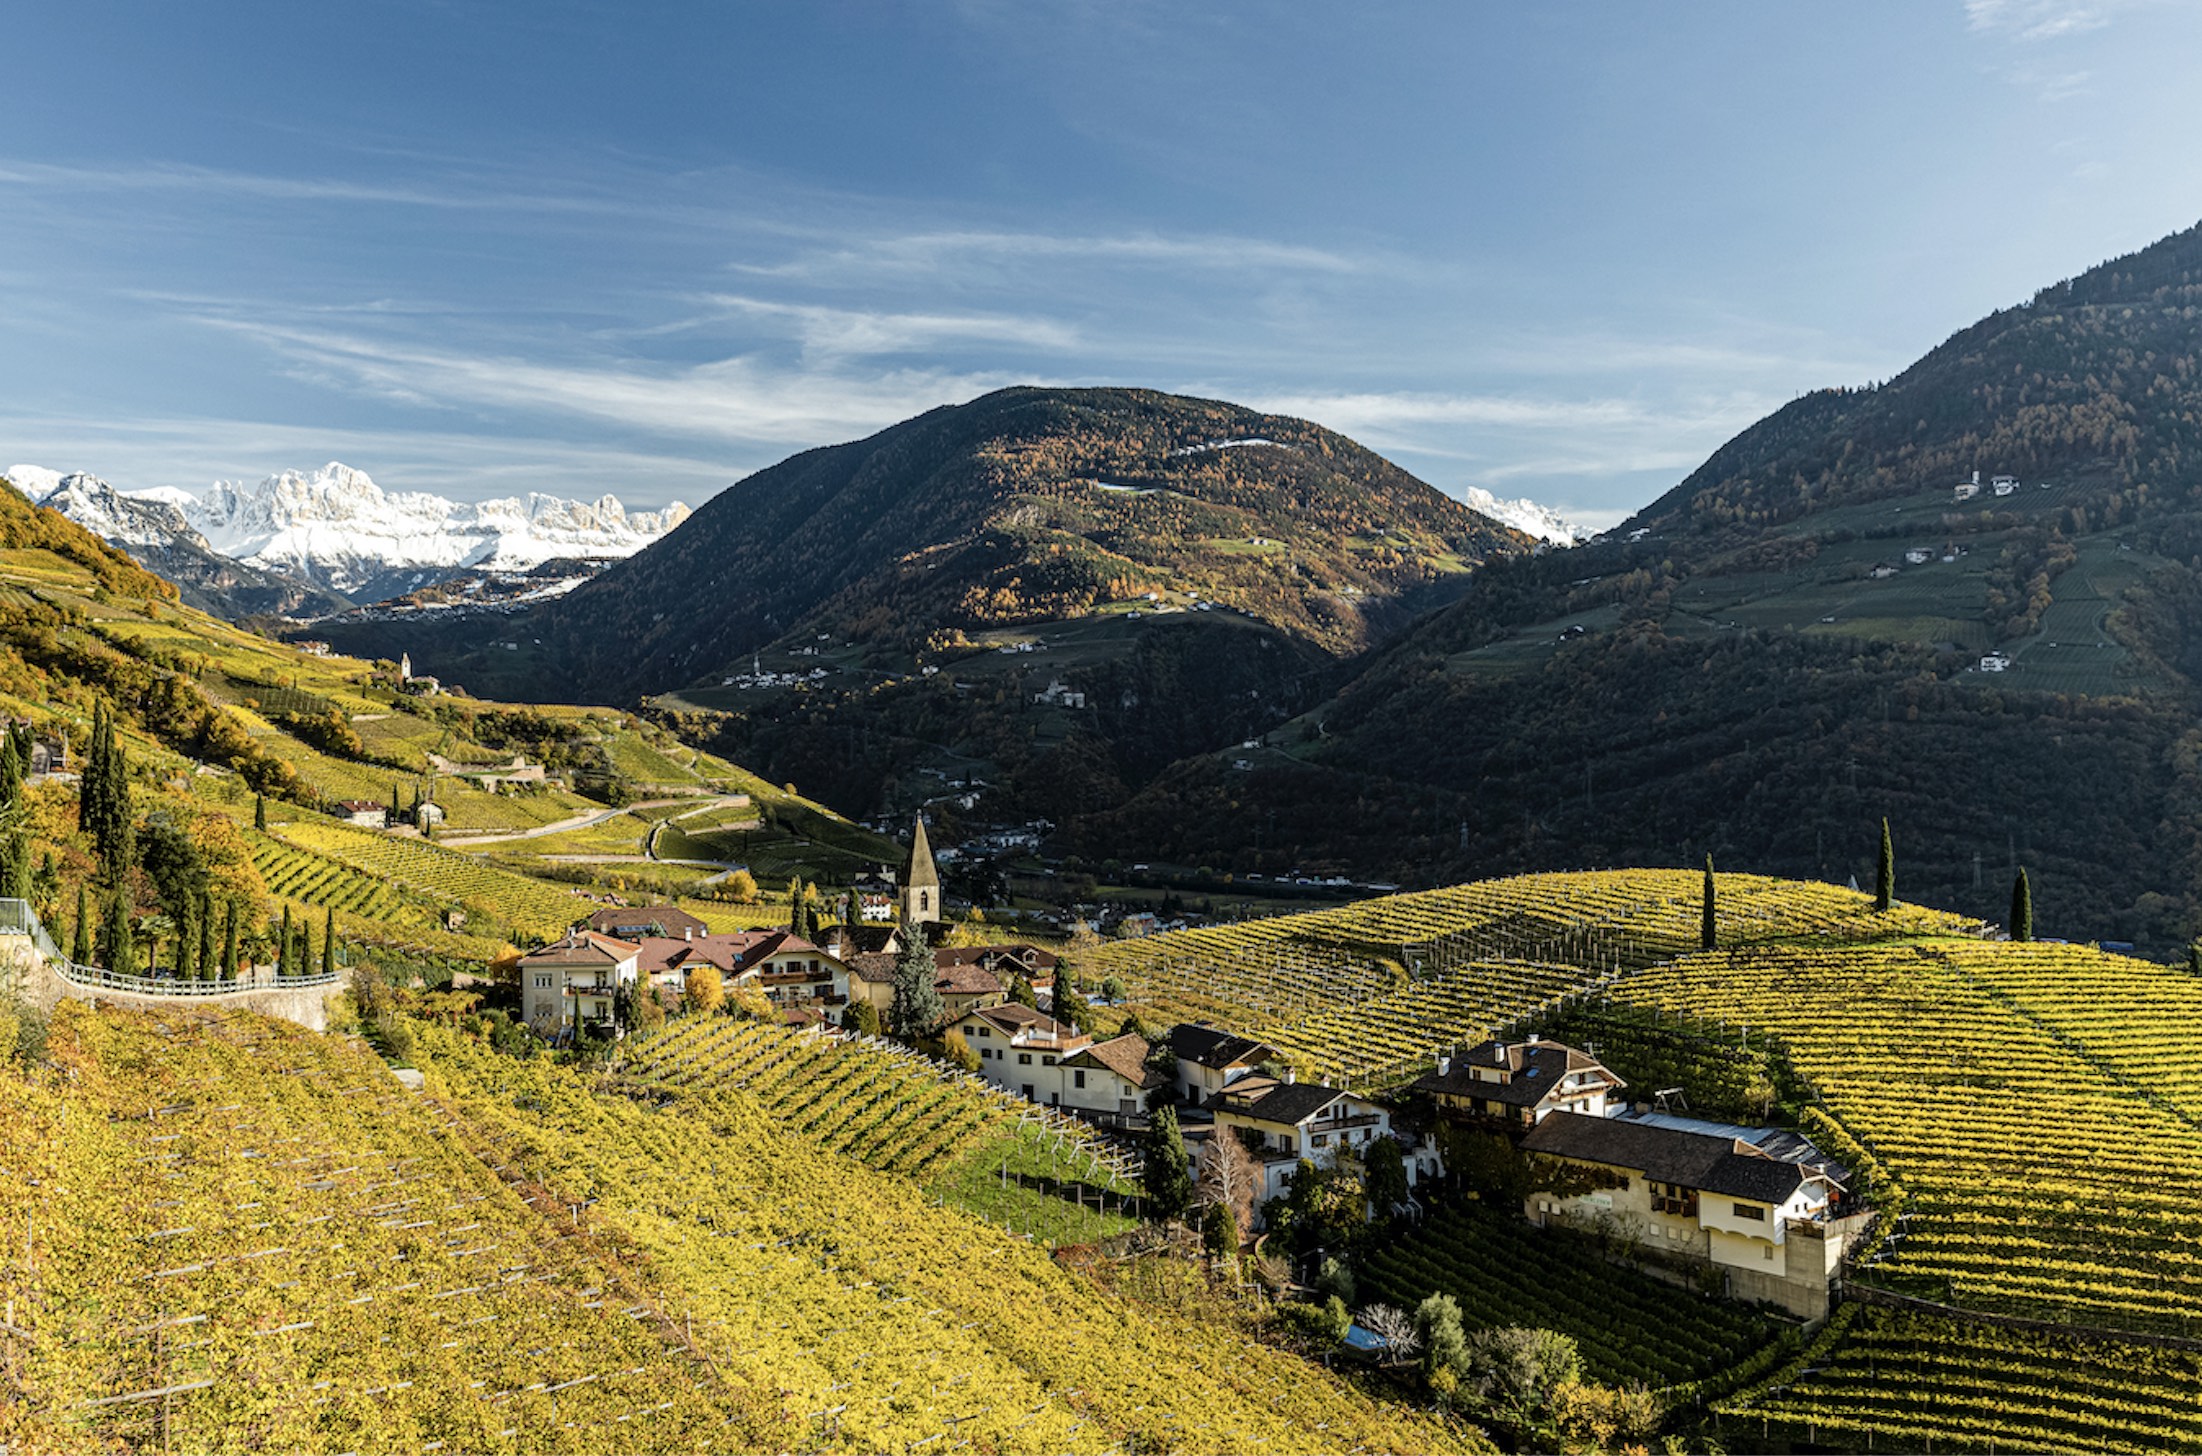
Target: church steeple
[[920, 886]]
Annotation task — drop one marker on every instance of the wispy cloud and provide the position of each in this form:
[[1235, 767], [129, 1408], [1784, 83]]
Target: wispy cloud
[[843, 333], [738, 399], [2037, 20], [933, 251]]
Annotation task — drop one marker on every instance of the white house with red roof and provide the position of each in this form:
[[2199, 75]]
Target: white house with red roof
[[573, 982]]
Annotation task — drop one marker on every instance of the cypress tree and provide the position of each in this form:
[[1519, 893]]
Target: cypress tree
[[187, 942], [206, 935], [229, 942], [1884, 875], [1168, 1177], [283, 946], [2022, 907], [795, 905], [302, 964], [260, 812], [88, 782], [118, 949], [1708, 935], [328, 943], [80, 940]]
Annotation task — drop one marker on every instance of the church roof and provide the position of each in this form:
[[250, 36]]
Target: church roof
[[918, 871]]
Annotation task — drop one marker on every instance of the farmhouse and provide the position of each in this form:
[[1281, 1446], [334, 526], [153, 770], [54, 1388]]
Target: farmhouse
[[1208, 1060], [1518, 1084], [1762, 1205], [1284, 1122], [964, 984], [366, 813], [571, 984], [1109, 1081], [1019, 1049]]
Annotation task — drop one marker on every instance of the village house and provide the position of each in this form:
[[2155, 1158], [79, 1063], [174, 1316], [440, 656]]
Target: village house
[[634, 922], [1285, 1122], [1762, 1205], [1515, 1085], [665, 961], [788, 969], [875, 895], [960, 976], [1208, 1060], [366, 813], [1109, 1081], [1020, 1049], [572, 983]]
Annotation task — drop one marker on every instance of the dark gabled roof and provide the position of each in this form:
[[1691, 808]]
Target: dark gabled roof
[[960, 979], [1216, 1050], [1285, 1103], [1124, 1055], [582, 948], [1020, 958], [1710, 1164], [1012, 1019], [876, 966], [1534, 1071]]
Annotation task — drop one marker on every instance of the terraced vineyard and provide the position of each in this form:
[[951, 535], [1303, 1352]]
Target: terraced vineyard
[[2035, 1144], [906, 1114], [1630, 1327], [493, 896], [369, 910], [1374, 991], [232, 1233], [306, 1257], [1901, 1381]]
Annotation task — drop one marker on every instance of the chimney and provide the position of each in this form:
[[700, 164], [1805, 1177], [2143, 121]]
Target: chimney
[[1292, 1074], [1534, 1038], [688, 932], [1444, 1065]]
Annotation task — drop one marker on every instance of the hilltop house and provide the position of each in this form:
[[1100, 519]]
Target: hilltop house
[[875, 895], [571, 984], [366, 813], [1516, 1085], [1762, 1205], [1109, 1081]]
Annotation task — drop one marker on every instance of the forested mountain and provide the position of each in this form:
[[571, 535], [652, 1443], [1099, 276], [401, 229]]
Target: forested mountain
[[1027, 505], [1815, 629], [866, 616]]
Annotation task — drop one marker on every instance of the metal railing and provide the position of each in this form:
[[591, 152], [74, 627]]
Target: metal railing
[[18, 918]]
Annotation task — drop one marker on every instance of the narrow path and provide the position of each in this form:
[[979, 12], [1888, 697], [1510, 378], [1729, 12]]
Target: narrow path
[[586, 821]]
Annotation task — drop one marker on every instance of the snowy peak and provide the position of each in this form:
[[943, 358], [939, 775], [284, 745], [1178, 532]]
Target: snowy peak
[[1526, 516], [98, 507], [337, 527]]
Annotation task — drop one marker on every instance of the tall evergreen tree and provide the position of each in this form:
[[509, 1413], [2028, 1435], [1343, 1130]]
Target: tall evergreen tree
[[187, 944], [80, 940], [207, 964], [1884, 875], [302, 963], [89, 782], [917, 1007], [1169, 1177], [795, 905], [260, 812], [328, 942], [1708, 930], [2022, 907], [229, 942], [118, 947], [283, 946]]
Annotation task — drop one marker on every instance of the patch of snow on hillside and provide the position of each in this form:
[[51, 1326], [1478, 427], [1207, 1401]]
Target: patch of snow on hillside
[[1227, 445], [35, 481]]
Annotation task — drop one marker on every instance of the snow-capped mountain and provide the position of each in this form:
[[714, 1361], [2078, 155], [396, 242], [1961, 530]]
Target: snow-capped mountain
[[1526, 516], [337, 527]]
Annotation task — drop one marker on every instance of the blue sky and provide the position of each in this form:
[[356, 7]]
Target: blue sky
[[1558, 251]]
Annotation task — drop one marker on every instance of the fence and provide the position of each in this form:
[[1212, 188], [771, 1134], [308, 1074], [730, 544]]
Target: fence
[[18, 918]]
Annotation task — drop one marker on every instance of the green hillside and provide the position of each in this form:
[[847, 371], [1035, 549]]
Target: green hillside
[[1789, 646]]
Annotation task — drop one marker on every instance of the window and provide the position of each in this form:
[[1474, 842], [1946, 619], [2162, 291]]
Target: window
[[542, 983], [1047, 1061], [1769, 1251], [1751, 1211], [1078, 1079], [981, 1031], [1322, 1140], [1024, 1059]]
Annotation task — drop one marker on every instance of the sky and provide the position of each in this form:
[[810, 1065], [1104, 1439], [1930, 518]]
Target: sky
[[1561, 252]]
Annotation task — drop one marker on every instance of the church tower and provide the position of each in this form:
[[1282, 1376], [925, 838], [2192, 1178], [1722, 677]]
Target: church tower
[[918, 895]]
